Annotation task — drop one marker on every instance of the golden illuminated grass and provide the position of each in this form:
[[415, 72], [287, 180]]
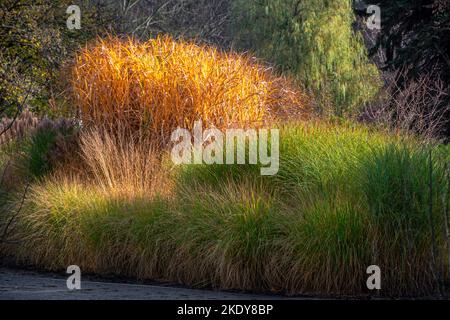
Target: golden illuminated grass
[[161, 84]]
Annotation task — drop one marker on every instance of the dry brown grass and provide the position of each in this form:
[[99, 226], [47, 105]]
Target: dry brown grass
[[122, 163], [161, 84], [420, 106], [18, 128]]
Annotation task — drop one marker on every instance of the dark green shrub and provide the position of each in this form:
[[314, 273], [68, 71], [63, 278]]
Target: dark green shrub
[[36, 149], [46, 146]]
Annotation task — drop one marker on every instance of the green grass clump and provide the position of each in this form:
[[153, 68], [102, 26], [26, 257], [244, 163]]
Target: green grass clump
[[345, 198], [36, 149], [104, 232], [377, 184], [36, 153], [328, 248]]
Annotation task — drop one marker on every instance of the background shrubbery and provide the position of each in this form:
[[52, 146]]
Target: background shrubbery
[[318, 42], [34, 44]]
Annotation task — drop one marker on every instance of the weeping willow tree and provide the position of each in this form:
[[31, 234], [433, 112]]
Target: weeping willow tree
[[315, 41]]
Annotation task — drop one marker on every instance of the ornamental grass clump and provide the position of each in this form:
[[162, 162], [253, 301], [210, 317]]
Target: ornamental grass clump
[[162, 84]]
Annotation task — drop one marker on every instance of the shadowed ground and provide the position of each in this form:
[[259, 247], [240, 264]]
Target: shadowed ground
[[24, 285]]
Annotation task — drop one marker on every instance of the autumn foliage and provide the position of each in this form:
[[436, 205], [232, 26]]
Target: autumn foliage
[[161, 84]]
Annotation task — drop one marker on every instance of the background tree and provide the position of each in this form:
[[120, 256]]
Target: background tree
[[414, 38], [416, 33], [34, 42], [314, 40]]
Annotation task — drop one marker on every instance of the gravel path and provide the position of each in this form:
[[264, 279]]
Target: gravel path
[[24, 285]]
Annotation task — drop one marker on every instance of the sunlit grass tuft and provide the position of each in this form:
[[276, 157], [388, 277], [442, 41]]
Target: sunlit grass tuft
[[162, 83]]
